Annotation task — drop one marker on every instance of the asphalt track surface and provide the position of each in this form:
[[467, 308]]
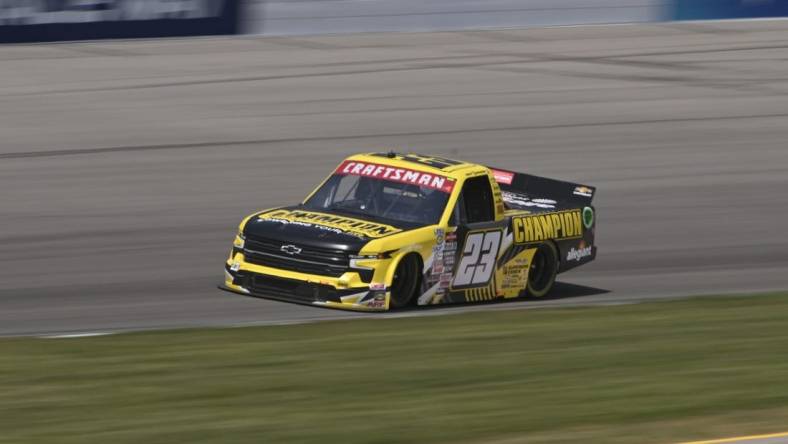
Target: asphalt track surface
[[125, 167]]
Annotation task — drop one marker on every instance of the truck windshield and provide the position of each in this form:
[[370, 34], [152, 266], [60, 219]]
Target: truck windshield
[[379, 198]]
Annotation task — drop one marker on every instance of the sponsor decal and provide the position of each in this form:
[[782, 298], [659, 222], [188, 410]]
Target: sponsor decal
[[448, 260], [577, 254], [337, 224], [521, 200], [451, 236], [440, 239], [440, 235], [539, 227], [504, 177], [394, 174], [588, 217], [583, 191], [376, 304], [377, 286], [376, 299], [514, 274], [445, 280], [437, 267]]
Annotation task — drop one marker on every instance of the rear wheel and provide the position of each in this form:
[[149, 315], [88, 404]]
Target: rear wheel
[[405, 282], [544, 268]]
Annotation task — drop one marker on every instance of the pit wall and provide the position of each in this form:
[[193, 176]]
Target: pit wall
[[727, 9], [303, 17], [298, 17], [24, 21]]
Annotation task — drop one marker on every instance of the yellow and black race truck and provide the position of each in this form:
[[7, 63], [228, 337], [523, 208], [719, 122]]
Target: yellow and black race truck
[[388, 230]]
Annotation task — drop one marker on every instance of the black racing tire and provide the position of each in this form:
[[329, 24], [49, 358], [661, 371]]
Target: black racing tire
[[544, 268], [405, 282]]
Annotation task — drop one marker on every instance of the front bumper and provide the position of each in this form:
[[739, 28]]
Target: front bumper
[[310, 290]]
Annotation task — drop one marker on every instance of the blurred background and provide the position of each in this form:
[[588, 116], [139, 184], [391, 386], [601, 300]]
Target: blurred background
[[127, 161]]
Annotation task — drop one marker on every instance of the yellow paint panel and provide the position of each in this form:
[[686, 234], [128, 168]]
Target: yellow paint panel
[[512, 277]]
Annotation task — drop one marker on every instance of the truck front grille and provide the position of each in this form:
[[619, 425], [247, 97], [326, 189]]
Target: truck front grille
[[311, 260]]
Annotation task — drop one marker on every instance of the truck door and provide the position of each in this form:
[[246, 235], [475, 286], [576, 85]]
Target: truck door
[[479, 239]]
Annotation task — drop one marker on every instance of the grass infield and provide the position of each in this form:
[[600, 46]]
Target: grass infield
[[655, 372]]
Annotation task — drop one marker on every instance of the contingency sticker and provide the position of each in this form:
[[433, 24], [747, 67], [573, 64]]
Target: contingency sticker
[[512, 275]]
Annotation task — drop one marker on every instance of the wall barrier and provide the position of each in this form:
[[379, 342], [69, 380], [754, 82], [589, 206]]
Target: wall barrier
[[298, 17], [58, 20], [728, 9], [52, 20]]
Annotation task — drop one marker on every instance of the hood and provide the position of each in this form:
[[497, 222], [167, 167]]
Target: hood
[[321, 229]]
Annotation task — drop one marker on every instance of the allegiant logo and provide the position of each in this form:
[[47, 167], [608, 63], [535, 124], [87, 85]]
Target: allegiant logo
[[539, 227], [402, 175]]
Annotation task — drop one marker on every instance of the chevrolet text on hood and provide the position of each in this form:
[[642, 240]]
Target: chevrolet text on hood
[[388, 230]]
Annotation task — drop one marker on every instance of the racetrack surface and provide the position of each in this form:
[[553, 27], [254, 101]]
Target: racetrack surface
[[125, 167]]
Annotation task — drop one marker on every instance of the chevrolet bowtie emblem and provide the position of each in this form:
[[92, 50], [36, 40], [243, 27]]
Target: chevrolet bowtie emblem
[[290, 249]]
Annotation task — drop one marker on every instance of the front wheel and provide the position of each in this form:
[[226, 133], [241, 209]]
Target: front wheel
[[405, 282], [544, 268]]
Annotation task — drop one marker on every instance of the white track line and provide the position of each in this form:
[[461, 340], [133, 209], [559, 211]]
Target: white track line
[[742, 439], [77, 335]]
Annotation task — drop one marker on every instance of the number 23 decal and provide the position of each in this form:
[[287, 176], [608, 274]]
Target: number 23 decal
[[478, 259]]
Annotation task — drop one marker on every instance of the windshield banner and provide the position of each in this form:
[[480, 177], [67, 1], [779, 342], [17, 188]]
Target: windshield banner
[[394, 174], [58, 20]]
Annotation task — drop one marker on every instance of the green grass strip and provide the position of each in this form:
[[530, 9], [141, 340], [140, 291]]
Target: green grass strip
[[654, 372]]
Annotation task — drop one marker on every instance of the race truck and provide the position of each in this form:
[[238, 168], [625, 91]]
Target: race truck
[[387, 230]]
